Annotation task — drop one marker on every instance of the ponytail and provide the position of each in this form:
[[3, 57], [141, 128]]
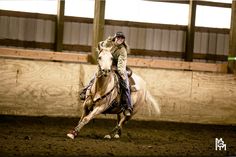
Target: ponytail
[[126, 47]]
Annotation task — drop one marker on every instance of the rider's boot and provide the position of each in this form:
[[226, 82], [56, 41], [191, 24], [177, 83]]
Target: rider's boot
[[82, 94]]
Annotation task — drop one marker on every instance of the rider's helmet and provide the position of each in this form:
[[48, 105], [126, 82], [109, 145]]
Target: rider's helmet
[[119, 34]]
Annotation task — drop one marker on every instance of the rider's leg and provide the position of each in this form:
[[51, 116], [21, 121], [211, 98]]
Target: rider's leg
[[83, 92], [126, 94]]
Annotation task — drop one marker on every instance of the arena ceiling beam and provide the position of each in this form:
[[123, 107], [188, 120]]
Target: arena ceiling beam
[[98, 27], [59, 27], [190, 31]]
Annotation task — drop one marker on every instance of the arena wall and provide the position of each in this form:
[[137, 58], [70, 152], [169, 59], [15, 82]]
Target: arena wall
[[47, 88]]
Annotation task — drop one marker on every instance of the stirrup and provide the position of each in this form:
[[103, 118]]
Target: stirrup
[[82, 96]]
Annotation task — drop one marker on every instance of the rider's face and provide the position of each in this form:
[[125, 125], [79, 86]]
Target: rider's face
[[119, 40]]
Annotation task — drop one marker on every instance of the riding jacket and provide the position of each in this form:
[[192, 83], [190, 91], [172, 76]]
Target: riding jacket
[[119, 53]]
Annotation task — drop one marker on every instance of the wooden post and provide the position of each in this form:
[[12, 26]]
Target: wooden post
[[190, 31], [59, 25], [98, 27], [232, 41]]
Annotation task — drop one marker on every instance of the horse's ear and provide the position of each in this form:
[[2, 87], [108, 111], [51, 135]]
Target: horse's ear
[[99, 48]]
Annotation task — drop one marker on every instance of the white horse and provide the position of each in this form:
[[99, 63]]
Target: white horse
[[104, 98]]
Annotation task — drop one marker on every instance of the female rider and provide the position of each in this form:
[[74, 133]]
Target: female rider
[[119, 51]]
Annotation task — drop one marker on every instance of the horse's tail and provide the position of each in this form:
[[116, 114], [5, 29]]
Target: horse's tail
[[151, 101]]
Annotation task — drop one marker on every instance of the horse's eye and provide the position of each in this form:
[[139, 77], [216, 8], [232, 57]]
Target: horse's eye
[[99, 57]]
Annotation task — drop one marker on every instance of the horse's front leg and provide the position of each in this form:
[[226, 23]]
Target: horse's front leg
[[85, 112], [96, 111]]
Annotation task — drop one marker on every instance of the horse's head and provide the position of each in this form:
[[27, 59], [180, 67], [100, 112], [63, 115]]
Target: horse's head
[[105, 61]]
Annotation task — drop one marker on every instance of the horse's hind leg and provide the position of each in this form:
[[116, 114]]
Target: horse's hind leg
[[120, 126], [116, 132], [122, 122], [118, 119]]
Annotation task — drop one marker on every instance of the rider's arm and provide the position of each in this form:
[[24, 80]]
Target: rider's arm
[[106, 43], [122, 61]]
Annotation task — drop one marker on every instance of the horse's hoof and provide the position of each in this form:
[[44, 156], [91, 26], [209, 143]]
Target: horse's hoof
[[71, 136], [107, 136], [117, 136]]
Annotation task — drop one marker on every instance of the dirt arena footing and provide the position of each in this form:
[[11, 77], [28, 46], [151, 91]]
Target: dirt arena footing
[[46, 136]]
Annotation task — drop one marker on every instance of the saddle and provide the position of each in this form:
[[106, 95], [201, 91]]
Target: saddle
[[131, 79]]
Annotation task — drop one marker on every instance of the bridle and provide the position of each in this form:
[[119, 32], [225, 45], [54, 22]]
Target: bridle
[[100, 74]]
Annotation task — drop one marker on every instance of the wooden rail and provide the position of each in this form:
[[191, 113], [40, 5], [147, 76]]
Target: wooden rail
[[132, 61], [43, 55]]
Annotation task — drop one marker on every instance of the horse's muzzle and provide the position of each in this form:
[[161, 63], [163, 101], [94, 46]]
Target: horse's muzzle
[[105, 72]]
